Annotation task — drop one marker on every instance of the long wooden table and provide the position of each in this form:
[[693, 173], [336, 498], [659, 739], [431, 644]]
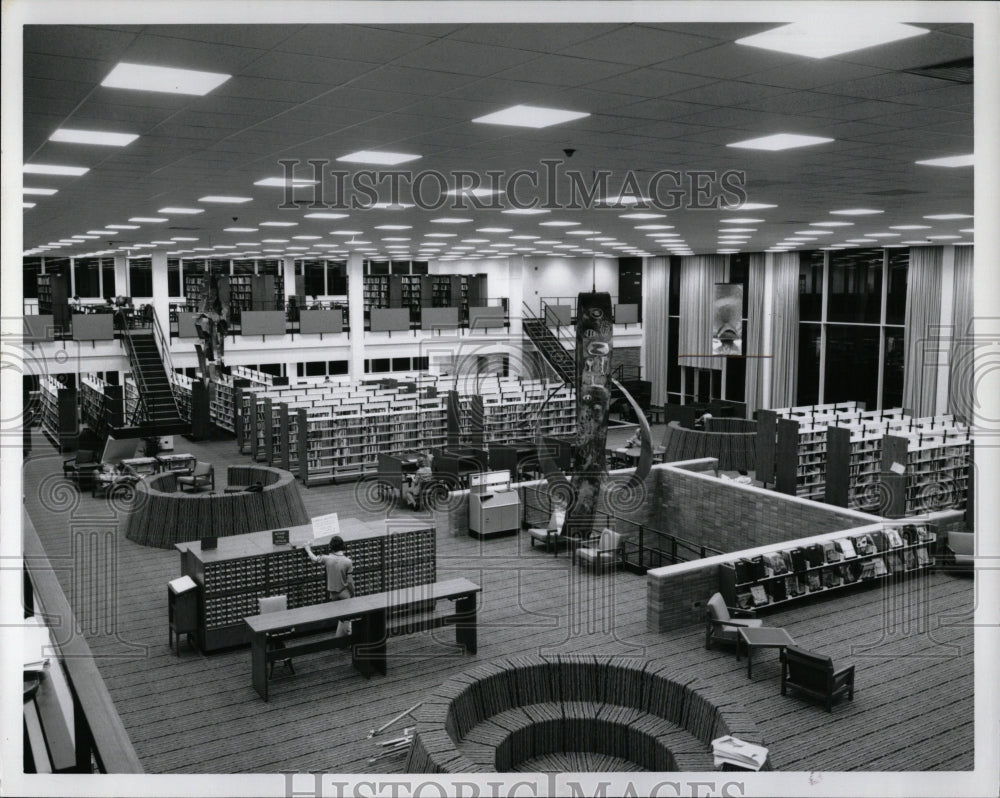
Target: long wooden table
[[370, 626]]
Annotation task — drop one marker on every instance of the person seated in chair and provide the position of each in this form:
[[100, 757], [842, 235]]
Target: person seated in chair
[[413, 485]]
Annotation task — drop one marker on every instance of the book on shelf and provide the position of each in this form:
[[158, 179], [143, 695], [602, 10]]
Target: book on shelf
[[759, 595]]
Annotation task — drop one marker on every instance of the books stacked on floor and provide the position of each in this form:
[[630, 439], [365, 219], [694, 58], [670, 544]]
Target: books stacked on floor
[[731, 750]]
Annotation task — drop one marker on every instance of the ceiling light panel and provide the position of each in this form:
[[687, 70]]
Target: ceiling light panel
[[780, 141], [533, 116], [225, 199], [169, 80], [379, 157], [825, 35], [102, 138], [856, 212], [952, 161], [181, 211], [54, 169]]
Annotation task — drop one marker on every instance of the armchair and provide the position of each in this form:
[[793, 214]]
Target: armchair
[[203, 476], [721, 626], [814, 675], [603, 551], [550, 534]]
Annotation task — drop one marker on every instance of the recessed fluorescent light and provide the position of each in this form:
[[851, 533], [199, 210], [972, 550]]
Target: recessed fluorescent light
[[27, 204], [239, 229], [278, 224], [739, 230], [100, 137], [743, 220], [534, 116], [862, 241], [54, 169], [830, 34], [144, 77], [450, 220], [150, 219], [831, 224], [123, 227], [909, 227], [947, 216], [391, 206], [967, 230], [749, 206], [393, 227], [274, 240], [814, 232], [558, 224], [381, 157], [497, 229], [346, 232], [306, 238], [281, 182], [942, 238], [441, 235], [396, 238], [473, 192], [951, 161], [86, 238], [325, 216], [780, 141], [654, 227], [856, 212], [182, 211], [248, 243], [224, 198], [882, 235], [525, 211], [639, 216], [183, 238], [42, 192], [622, 199], [583, 232], [101, 232]]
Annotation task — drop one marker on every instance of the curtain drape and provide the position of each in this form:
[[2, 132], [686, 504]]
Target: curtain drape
[[655, 325], [784, 328], [699, 273], [922, 331], [754, 345], [960, 357]]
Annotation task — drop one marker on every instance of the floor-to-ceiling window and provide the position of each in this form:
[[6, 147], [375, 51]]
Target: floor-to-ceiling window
[[851, 310]]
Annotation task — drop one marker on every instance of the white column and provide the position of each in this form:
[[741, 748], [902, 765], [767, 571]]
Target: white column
[[288, 273], [515, 295], [946, 332], [767, 364], [121, 274], [72, 277], [356, 315], [161, 290]]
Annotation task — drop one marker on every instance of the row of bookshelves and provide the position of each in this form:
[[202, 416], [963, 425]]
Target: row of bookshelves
[[425, 291], [778, 577], [239, 292], [58, 413]]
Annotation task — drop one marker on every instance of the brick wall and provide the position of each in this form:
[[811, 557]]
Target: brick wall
[[727, 516], [677, 598], [625, 356]]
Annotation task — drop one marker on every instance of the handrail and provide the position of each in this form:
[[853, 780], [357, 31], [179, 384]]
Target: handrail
[[142, 411], [100, 734], [674, 549], [163, 346]]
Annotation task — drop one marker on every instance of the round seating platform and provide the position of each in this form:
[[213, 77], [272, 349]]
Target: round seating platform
[[527, 713]]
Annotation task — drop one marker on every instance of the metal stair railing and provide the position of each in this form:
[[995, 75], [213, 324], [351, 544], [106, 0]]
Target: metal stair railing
[[163, 347], [140, 411]]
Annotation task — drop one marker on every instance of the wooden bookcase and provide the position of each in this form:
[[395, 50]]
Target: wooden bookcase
[[809, 579], [58, 410], [245, 568], [935, 471]]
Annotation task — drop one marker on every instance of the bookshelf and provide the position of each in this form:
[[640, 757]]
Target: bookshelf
[[53, 298], [926, 471], [194, 291], [58, 411], [246, 568], [91, 396], [182, 386], [783, 576]]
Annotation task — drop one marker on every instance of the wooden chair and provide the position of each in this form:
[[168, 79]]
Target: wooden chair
[[720, 624], [274, 641], [202, 476], [604, 551], [550, 534], [814, 675], [81, 467]]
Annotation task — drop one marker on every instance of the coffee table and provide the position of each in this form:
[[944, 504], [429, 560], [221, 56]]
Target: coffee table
[[761, 637]]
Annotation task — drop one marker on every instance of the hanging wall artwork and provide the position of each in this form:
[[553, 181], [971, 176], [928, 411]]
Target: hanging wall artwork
[[727, 320]]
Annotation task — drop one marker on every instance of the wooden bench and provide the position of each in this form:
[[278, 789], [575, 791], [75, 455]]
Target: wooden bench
[[371, 626]]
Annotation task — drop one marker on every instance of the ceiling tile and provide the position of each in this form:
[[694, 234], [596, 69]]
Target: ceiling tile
[[727, 61], [562, 70], [82, 41], [446, 55], [267, 89], [258, 37], [638, 45], [810, 73], [919, 51], [305, 68], [540, 38], [728, 92], [649, 82], [411, 81], [353, 42], [886, 85], [188, 54]]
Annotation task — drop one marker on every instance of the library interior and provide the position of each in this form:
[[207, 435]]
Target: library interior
[[475, 397]]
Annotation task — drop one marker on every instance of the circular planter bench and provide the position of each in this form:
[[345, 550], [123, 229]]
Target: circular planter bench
[[498, 716], [162, 515], [733, 442]]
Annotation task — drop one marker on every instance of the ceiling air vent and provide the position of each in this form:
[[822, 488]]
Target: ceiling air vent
[[959, 71]]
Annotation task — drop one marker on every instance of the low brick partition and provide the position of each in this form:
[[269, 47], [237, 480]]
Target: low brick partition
[[497, 715], [162, 515]]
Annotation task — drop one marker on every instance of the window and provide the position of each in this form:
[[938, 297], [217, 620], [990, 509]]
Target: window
[[337, 367], [852, 354], [811, 286], [810, 338], [315, 368], [87, 278], [313, 278], [32, 268], [140, 277], [336, 278], [174, 277], [243, 267], [108, 277], [400, 364], [892, 370], [895, 300], [856, 286]]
